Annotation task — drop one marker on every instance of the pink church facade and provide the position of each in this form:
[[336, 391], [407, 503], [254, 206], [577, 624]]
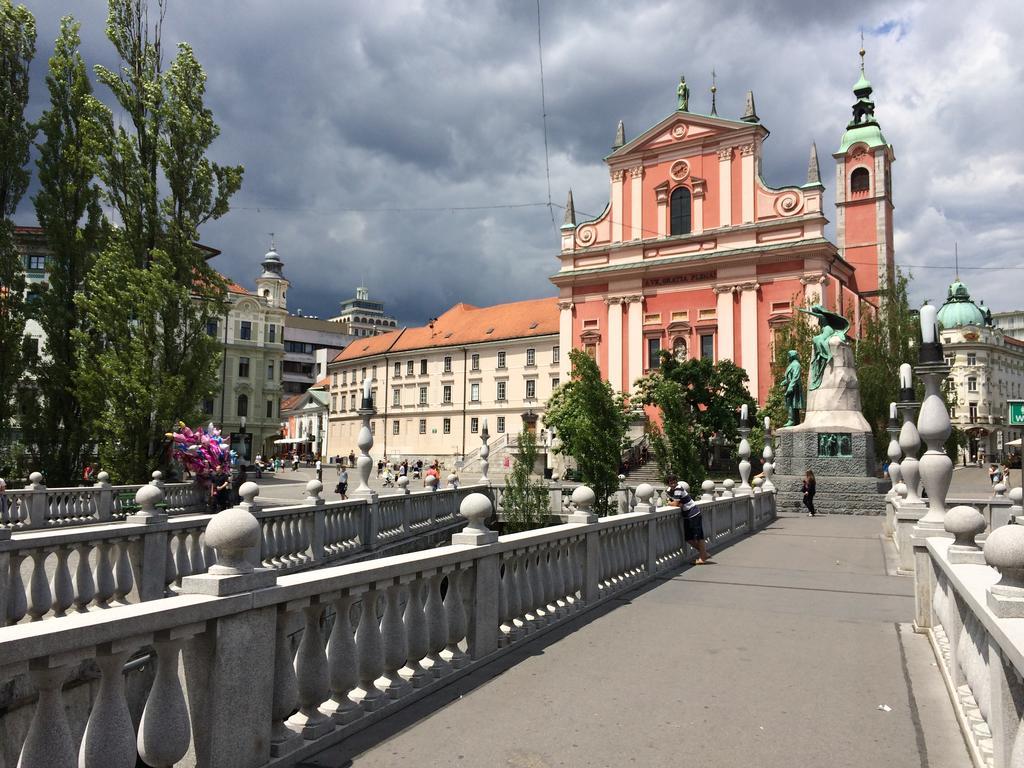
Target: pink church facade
[[696, 254]]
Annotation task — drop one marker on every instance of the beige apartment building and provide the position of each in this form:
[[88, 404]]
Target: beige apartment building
[[433, 386]]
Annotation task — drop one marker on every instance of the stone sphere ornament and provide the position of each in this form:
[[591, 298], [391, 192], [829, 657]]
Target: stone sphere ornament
[[402, 482], [148, 496], [476, 507], [1004, 550], [584, 497], [964, 523], [644, 492], [231, 533]]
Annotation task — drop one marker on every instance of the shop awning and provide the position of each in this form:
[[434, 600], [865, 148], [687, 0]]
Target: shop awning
[[289, 440]]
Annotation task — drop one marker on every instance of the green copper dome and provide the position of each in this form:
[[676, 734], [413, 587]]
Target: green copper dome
[[959, 310]]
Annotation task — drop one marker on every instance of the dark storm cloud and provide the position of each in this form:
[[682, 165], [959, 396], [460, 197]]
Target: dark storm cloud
[[339, 106]]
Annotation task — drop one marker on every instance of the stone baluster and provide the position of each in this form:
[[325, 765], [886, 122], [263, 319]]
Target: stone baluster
[[1004, 551], [455, 618], [437, 627], [182, 566], [124, 579], [48, 741], [485, 452], [40, 598], [396, 647], [364, 441], [518, 600], [540, 614], [910, 444], [341, 665], [965, 523], [85, 586], [311, 678], [559, 599], [109, 738], [894, 452], [104, 497], [768, 457], [286, 690], [417, 638], [104, 573], [371, 654], [547, 581], [744, 452], [165, 732], [61, 586], [506, 596], [196, 556]]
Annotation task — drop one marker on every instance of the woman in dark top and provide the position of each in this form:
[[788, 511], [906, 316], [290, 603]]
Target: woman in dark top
[[808, 491]]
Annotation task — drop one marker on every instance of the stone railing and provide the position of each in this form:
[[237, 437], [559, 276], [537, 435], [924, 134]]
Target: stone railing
[[37, 507], [252, 667], [53, 572], [970, 603]]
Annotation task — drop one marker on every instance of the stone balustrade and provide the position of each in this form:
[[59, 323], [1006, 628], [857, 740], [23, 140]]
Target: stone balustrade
[[50, 573], [253, 667]]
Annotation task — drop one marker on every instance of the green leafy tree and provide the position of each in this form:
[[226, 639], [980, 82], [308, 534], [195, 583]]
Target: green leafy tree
[[526, 498], [590, 419], [67, 206], [17, 48], [150, 291], [699, 401]]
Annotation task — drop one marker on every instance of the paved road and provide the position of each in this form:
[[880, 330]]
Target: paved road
[[777, 655]]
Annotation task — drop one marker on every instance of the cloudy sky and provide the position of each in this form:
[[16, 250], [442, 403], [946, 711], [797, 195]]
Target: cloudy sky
[[349, 116]]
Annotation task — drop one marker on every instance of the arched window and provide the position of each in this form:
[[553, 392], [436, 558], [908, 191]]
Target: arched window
[[860, 180], [243, 405], [680, 211], [679, 349]]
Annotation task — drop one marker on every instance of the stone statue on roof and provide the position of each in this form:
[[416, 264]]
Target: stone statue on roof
[[831, 325], [683, 94]]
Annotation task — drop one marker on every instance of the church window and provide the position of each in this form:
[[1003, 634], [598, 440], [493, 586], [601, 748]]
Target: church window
[[680, 210], [860, 180], [654, 352], [707, 346]]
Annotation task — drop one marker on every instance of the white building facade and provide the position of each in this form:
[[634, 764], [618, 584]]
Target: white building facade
[[364, 316]]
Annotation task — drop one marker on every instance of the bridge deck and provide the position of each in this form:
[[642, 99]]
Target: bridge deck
[[777, 655]]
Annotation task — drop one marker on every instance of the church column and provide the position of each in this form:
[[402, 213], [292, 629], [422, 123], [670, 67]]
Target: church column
[[661, 196], [815, 289], [725, 329], [565, 339], [617, 213], [697, 222], [725, 187], [747, 175], [635, 314], [636, 215], [748, 333], [615, 342]]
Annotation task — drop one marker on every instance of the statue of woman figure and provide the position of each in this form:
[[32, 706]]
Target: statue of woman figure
[[683, 94], [793, 387], [830, 325]]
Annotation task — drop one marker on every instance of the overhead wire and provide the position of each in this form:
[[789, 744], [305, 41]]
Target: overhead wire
[[544, 121]]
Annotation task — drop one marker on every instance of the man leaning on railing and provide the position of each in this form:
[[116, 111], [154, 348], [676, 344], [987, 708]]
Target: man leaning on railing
[[693, 525]]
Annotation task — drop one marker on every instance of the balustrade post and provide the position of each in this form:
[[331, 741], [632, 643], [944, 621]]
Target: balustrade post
[[37, 503], [744, 453], [364, 441], [403, 485], [622, 496], [644, 492], [104, 497], [482, 635], [727, 485], [768, 456], [315, 500], [371, 521], [965, 523], [708, 488], [151, 581], [583, 498], [1004, 550]]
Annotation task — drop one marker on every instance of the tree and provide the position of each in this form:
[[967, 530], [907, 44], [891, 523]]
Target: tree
[[17, 48], [699, 401], [590, 420], [526, 499], [68, 209], [150, 292]]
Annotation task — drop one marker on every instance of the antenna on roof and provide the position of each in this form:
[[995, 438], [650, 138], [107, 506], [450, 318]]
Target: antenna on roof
[[272, 246], [956, 259]]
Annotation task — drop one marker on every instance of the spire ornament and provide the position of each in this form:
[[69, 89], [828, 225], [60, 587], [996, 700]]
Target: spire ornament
[[714, 90], [569, 222], [750, 112], [620, 136], [813, 170], [683, 95]]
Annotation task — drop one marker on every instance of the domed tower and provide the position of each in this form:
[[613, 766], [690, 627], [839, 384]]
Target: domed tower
[[864, 209], [272, 284], [959, 310]]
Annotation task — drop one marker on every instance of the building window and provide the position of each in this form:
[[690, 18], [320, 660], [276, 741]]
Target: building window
[[447, 364], [373, 427], [270, 409], [243, 367], [501, 425], [344, 403], [680, 211], [474, 393], [423, 367], [972, 384], [373, 373], [398, 370], [474, 425], [409, 368], [446, 393], [475, 362], [531, 389], [531, 357], [245, 331], [243, 405], [396, 396], [270, 371], [395, 427], [423, 395], [501, 360], [211, 327], [334, 402], [208, 406], [654, 352], [363, 377], [973, 412], [972, 359], [554, 383], [446, 426], [952, 411], [860, 180], [555, 354], [37, 263], [334, 380], [423, 426], [949, 359], [707, 346], [652, 318], [272, 333], [502, 387]]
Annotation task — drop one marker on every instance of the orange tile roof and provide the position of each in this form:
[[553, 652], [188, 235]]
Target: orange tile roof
[[289, 402], [324, 382], [465, 324]]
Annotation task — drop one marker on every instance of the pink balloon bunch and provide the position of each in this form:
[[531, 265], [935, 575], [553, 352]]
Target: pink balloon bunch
[[202, 451]]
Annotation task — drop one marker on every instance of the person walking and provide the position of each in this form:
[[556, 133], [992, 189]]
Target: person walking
[[319, 470], [342, 487], [809, 487], [351, 458], [693, 523]]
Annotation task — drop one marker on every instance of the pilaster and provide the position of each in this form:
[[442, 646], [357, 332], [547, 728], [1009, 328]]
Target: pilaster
[[636, 176], [748, 333], [615, 342], [747, 176], [725, 187], [635, 332], [565, 339], [616, 211], [725, 324]]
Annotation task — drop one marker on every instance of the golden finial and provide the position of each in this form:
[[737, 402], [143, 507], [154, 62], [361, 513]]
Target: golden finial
[[862, 51], [714, 90]]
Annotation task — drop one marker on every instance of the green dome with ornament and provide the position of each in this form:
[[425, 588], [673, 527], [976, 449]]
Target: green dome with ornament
[[959, 310]]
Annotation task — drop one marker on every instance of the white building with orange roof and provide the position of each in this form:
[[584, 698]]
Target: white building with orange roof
[[304, 421], [434, 385]]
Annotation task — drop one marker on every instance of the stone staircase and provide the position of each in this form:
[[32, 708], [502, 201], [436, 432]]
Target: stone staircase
[[645, 473]]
